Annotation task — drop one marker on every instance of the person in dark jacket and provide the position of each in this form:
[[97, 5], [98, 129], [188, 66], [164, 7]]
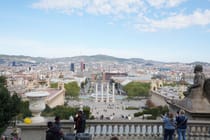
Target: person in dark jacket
[[57, 127], [80, 122], [51, 132], [181, 120]]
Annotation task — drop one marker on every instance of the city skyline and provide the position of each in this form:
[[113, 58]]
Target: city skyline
[[162, 30]]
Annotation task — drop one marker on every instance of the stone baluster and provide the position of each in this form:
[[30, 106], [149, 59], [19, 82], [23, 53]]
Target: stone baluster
[[190, 131], [146, 130], [107, 130], [207, 131], [124, 129], [135, 130], [95, 130], [113, 130], [141, 130], [88, 129], [152, 129], [118, 129], [101, 130], [158, 131], [197, 131], [129, 129]]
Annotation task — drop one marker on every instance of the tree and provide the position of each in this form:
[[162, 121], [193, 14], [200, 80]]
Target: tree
[[3, 80], [24, 110], [72, 89], [137, 89], [53, 85], [9, 105], [82, 85], [65, 111]]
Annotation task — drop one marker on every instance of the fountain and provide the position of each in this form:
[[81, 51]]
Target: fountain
[[37, 104]]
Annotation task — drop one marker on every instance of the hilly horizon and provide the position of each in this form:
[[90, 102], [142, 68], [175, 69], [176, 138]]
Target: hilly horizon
[[87, 58]]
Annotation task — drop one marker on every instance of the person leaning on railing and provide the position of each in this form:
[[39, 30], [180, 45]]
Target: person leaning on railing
[[169, 126], [181, 120]]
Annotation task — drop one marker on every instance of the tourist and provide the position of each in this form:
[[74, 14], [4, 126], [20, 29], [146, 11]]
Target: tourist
[[181, 120], [3, 137], [169, 126], [51, 132], [80, 122], [57, 127]]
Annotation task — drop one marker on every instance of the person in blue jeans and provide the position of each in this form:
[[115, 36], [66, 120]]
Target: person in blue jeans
[[181, 121], [169, 126]]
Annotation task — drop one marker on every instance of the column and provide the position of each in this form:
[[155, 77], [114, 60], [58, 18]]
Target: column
[[113, 96], [107, 93], [96, 93], [102, 92]]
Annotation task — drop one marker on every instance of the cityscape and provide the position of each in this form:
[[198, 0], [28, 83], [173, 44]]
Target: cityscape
[[127, 67], [101, 80]]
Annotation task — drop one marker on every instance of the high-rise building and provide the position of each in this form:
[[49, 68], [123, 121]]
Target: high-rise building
[[72, 67], [13, 63], [81, 66]]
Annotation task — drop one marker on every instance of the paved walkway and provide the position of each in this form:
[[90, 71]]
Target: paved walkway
[[111, 110]]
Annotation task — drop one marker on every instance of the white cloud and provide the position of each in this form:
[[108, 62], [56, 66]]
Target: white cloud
[[165, 3], [156, 3], [132, 10], [104, 7], [179, 21]]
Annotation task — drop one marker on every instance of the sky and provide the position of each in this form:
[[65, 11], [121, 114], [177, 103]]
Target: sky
[[162, 30]]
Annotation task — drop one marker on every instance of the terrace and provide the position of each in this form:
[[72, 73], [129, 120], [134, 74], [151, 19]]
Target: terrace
[[124, 129]]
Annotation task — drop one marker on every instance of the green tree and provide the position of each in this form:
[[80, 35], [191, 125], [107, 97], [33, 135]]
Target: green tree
[[65, 111], [53, 85], [72, 89], [9, 105], [3, 80], [82, 85], [134, 89], [24, 110]]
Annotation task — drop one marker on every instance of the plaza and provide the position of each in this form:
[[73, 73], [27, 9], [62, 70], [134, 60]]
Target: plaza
[[111, 110]]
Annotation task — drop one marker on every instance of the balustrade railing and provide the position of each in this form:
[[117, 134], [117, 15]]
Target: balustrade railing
[[125, 129]]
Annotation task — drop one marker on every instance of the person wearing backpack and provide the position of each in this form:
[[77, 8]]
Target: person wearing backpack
[[181, 120]]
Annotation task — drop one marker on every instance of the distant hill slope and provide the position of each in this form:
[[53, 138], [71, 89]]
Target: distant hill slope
[[85, 58], [21, 59], [93, 58]]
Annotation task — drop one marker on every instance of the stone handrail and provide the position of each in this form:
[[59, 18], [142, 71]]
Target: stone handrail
[[125, 129]]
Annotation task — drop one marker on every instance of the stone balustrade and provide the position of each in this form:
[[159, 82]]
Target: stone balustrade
[[124, 129]]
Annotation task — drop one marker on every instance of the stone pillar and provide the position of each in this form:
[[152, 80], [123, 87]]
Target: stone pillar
[[96, 99], [102, 92], [113, 96], [107, 93]]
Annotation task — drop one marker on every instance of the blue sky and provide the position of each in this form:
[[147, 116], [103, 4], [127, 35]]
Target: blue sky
[[164, 30]]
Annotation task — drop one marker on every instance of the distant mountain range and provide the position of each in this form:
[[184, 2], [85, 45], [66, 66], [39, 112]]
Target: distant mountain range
[[8, 59]]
